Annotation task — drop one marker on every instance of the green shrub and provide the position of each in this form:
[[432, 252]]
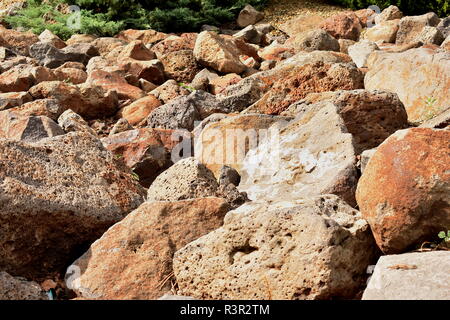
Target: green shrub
[[108, 17], [409, 7]]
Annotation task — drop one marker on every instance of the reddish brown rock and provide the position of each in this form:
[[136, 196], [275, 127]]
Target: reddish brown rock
[[17, 127], [277, 52], [404, 192], [22, 77], [58, 195], [219, 84], [143, 244], [315, 77], [136, 50], [50, 108], [89, 101], [146, 36], [13, 99], [150, 70], [105, 45], [113, 81], [180, 65], [139, 109], [146, 151], [71, 75], [16, 40], [174, 43], [343, 26]]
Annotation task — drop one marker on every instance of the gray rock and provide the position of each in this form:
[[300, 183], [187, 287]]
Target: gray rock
[[430, 35], [241, 95], [52, 57], [18, 288], [248, 16], [444, 27], [411, 276], [202, 79], [317, 248], [120, 126], [249, 34], [411, 27], [365, 158], [81, 52], [72, 122], [316, 40], [229, 175]]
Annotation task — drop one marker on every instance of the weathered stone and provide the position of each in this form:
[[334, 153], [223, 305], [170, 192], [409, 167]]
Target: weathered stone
[[71, 75], [318, 39], [202, 79], [343, 26], [48, 37], [385, 32], [57, 195], [105, 45], [13, 99], [249, 34], [113, 81], [404, 192], [169, 91], [146, 151], [316, 248], [14, 126], [371, 116], [211, 50], [139, 110], [390, 13], [365, 158], [410, 276], [73, 122], [277, 52], [220, 84], [146, 36], [361, 51], [403, 73], [248, 16], [22, 77], [229, 175], [182, 112], [173, 44], [442, 121], [121, 125], [50, 108], [227, 141], [411, 27], [430, 35], [151, 70], [17, 41], [80, 38], [52, 57], [344, 44], [444, 27], [180, 65], [136, 50], [143, 245], [187, 179], [305, 79], [17, 288]]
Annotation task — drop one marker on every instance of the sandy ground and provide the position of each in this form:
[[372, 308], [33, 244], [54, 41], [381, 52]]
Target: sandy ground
[[279, 11]]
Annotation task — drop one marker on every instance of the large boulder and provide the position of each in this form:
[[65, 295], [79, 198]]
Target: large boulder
[[305, 79], [313, 40], [403, 73], [133, 259], [57, 195], [317, 248], [411, 27], [213, 51], [27, 128], [18, 288], [385, 32], [410, 276], [316, 152], [226, 142], [343, 26], [180, 65], [404, 192]]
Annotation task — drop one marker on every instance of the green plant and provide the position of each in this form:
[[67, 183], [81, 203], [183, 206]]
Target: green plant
[[187, 87], [430, 104], [444, 236], [409, 7], [108, 17]]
